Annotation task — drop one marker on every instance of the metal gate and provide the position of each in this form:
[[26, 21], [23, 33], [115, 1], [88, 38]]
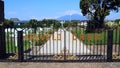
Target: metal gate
[[64, 44], [72, 44]]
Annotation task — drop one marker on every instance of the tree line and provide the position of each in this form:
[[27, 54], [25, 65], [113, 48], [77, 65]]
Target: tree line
[[33, 23]]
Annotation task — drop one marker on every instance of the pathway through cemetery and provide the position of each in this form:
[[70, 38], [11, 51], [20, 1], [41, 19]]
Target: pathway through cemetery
[[60, 41]]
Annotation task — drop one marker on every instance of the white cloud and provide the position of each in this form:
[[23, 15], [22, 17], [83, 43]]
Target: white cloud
[[47, 17], [70, 12], [42, 17], [34, 17]]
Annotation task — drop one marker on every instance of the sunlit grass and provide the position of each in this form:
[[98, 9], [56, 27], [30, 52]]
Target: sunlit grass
[[96, 38]]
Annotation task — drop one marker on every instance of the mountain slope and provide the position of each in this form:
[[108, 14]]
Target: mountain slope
[[72, 17]]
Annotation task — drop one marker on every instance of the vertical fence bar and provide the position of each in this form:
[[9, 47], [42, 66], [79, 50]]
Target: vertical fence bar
[[119, 43], [110, 46], [2, 43], [64, 45], [20, 46], [2, 32]]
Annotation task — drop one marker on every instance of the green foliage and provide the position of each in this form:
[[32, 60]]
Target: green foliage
[[65, 25], [8, 23], [24, 25], [112, 25], [97, 10], [33, 23], [42, 40], [117, 20], [97, 38], [50, 23], [56, 25], [109, 24], [74, 23], [70, 24], [93, 26]]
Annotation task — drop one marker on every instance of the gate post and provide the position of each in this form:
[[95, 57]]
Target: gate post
[[109, 45], [2, 32], [20, 46]]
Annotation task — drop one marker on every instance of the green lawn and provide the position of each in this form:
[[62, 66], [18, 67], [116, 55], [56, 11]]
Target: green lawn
[[87, 38], [29, 40], [95, 38], [11, 48]]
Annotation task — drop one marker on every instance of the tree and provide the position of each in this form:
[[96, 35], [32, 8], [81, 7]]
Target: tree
[[97, 10], [24, 25], [8, 23], [33, 24], [117, 21], [50, 23], [45, 23], [56, 24], [66, 24], [74, 23]]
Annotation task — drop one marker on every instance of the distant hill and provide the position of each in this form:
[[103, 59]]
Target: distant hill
[[72, 17], [14, 19]]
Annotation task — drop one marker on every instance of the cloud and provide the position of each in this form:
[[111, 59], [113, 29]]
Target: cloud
[[70, 12], [42, 17], [49, 17], [35, 17]]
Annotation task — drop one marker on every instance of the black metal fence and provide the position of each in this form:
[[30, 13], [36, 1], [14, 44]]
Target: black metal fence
[[68, 44]]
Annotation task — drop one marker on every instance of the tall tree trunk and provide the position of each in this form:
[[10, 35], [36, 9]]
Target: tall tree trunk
[[101, 22]]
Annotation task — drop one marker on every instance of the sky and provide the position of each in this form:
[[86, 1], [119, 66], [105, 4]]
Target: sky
[[40, 9]]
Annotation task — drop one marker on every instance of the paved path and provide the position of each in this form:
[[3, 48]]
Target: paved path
[[59, 65], [63, 39]]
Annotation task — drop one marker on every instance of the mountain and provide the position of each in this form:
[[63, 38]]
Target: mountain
[[72, 17]]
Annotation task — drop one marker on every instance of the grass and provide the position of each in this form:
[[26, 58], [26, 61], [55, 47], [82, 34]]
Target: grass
[[11, 48], [87, 38], [98, 38], [30, 40]]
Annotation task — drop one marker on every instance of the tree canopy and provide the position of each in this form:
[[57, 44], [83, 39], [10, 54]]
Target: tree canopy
[[50, 23], [73, 23], [8, 23], [33, 23], [97, 10]]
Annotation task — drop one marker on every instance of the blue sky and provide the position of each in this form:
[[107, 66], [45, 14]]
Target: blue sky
[[40, 9]]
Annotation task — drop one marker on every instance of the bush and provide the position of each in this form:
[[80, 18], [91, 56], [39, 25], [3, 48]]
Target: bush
[[42, 39], [111, 25]]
